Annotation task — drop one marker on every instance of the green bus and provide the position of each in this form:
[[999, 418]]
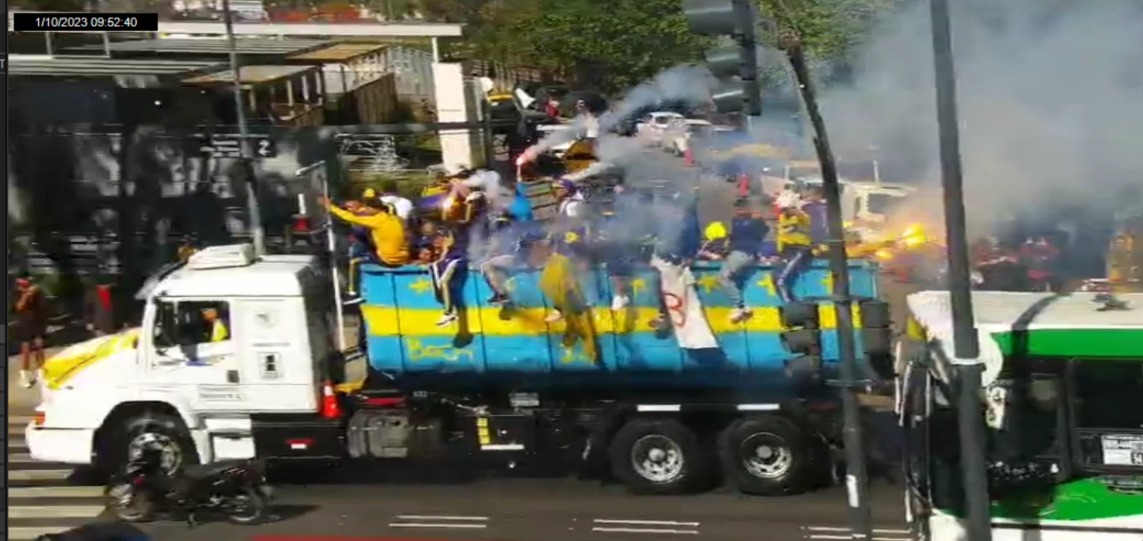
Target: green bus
[[1062, 401]]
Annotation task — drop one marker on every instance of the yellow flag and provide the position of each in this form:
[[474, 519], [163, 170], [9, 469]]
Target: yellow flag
[[558, 283]]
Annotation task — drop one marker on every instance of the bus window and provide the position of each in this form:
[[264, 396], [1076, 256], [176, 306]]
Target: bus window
[[1107, 394]]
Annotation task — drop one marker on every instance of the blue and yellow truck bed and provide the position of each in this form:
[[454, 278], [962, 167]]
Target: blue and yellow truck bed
[[403, 340]]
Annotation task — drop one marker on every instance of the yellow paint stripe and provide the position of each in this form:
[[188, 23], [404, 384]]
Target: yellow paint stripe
[[389, 321], [59, 370]]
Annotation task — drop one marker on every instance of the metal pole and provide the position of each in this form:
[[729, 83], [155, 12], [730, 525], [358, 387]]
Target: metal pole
[[751, 89], [331, 244], [258, 234], [856, 477], [966, 346]]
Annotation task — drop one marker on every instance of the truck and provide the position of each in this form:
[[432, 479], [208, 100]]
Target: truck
[[234, 359], [1060, 400]]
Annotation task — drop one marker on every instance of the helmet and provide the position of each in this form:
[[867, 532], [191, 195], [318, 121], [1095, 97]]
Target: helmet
[[715, 231]]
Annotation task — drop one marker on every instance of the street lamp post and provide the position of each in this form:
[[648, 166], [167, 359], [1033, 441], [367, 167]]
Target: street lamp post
[[258, 234], [966, 345]]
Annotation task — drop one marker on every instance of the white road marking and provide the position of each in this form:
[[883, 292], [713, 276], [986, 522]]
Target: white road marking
[[20, 458], [38, 475], [28, 533], [54, 511], [829, 533], [645, 530], [441, 517], [16, 493], [645, 522], [457, 525]]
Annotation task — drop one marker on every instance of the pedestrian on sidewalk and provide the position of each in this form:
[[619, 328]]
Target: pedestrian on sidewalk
[[99, 307], [31, 311]]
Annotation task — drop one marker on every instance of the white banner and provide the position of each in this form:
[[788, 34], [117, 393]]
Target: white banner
[[684, 307]]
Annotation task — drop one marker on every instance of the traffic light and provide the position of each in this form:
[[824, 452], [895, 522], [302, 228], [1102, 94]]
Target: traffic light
[[735, 66], [877, 337], [802, 336]]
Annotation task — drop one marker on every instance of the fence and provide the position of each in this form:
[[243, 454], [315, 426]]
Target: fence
[[77, 192]]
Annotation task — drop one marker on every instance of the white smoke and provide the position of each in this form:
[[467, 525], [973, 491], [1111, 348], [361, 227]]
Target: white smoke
[[1049, 98]]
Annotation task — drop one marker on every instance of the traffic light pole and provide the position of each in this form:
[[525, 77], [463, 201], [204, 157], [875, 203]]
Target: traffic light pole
[[751, 88], [856, 477], [966, 344], [255, 213]]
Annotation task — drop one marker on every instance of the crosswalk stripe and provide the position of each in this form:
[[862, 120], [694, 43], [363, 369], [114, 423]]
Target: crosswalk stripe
[[16, 493], [19, 458], [38, 475], [28, 533], [54, 511]]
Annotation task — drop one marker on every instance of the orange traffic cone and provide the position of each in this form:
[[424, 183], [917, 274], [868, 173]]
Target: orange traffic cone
[[688, 158], [330, 407]]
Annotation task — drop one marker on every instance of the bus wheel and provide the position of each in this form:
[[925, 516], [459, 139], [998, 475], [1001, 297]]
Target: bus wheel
[[767, 455], [657, 456]]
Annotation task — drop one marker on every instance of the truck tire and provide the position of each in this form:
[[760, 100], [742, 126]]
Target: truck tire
[[767, 456], [178, 447], [657, 456]]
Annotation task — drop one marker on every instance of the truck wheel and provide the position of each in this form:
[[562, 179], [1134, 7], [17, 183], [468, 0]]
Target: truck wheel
[[169, 433], [657, 456], [766, 456]]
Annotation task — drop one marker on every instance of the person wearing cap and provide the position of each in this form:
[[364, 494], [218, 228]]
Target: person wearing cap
[[31, 311], [388, 195], [386, 230], [743, 243], [795, 244]]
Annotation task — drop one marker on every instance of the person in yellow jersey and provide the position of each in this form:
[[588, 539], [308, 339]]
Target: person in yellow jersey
[[795, 245], [386, 230], [219, 332]]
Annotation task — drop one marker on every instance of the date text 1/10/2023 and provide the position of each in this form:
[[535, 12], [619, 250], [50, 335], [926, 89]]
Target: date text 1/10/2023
[[84, 22]]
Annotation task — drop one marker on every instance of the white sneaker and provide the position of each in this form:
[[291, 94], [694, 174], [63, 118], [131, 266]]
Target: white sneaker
[[620, 302], [740, 314], [446, 319], [26, 379], [554, 316]]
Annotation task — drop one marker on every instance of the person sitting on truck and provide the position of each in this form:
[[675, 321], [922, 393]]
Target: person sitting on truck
[[508, 248], [360, 245], [744, 243], [617, 239], [795, 245], [814, 205], [386, 231], [388, 195], [449, 262], [714, 245]]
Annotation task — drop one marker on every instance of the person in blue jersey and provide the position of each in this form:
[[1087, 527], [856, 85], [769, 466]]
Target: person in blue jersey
[[507, 249], [744, 244], [618, 237], [449, 262]]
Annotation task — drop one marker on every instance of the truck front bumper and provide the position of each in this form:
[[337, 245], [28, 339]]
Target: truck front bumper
[[65, 445]]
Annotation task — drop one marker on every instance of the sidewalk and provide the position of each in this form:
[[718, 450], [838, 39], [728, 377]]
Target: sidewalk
[[23, 401]]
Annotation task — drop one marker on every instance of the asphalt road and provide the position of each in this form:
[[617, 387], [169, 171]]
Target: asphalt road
[[543, 510]]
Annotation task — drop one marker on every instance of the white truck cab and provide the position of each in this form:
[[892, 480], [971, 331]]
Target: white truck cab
[[225, 338]]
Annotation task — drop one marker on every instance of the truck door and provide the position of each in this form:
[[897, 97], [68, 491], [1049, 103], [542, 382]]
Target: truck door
[[192, 353], [276, 368]]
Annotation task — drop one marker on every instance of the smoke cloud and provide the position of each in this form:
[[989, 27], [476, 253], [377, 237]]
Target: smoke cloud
[[1049, 98]]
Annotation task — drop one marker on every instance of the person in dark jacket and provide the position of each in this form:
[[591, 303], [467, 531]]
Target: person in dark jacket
[[814, 206], [99, 307], [744, 244]]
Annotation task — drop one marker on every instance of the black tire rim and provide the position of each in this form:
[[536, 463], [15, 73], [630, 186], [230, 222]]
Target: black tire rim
[[170, 453]]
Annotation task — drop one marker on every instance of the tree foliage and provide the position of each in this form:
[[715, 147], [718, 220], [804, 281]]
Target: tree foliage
[[626, 41]]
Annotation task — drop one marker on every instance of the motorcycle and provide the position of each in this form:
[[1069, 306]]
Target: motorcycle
[[143, 491]]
